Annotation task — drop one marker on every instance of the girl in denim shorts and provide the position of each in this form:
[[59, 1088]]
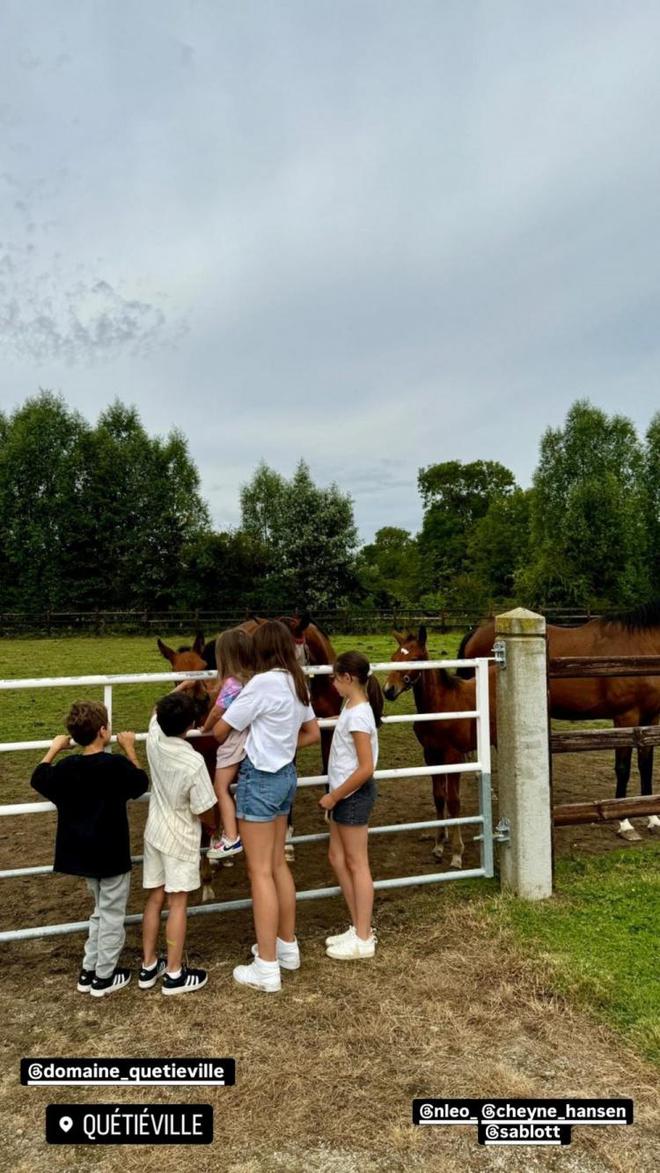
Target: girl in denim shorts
[[350, 799], [274, 707]]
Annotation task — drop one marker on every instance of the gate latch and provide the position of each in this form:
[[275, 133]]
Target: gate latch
[[499, 652], [502, 832]]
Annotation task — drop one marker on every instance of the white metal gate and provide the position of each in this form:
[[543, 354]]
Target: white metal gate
[[481, 766]]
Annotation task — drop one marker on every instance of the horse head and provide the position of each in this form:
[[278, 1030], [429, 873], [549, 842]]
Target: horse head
[[304, 633], [190, 659], [410, 648]]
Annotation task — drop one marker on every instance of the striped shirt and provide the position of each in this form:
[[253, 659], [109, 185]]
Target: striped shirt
[[180, 791]]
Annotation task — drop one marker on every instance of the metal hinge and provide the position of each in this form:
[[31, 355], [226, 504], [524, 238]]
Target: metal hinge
[[502, 832], [499, 652]]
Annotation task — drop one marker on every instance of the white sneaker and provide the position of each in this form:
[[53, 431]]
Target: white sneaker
[[353, 948], [335, 940], [260, 975], [350, 931], [288, 954]]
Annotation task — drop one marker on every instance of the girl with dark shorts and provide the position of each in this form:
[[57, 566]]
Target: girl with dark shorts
[[350, 799]]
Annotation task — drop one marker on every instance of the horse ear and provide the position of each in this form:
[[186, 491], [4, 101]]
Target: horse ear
[[198, 645], [304, 619], [421, 636], [400, 639], [168, 653]]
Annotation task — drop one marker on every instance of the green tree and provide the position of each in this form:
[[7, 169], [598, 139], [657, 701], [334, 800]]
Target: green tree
[[388, 568], [588, 531], [498, 543], [93, 517], [310, 533], [225, 571], [652, 501], [38, 448], [455, 497]]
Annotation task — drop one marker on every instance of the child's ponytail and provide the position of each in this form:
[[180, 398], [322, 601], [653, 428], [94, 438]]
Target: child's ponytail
[[355, 664]]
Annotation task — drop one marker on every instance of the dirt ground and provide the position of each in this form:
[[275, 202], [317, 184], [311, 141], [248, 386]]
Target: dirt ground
[[327, 1070]]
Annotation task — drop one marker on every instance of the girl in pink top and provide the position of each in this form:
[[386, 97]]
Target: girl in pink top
[[233, 652]]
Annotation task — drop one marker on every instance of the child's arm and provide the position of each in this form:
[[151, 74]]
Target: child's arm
[[42, 777], [365, 769], [213, 717], [308, 734], [126, 741], [221, 731]]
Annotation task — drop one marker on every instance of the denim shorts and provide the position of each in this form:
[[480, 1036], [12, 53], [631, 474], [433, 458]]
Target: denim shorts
[[262, 797], [354, 811]]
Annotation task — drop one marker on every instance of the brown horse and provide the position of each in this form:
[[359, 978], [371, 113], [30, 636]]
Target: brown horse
[[443, 743], [626, 700]]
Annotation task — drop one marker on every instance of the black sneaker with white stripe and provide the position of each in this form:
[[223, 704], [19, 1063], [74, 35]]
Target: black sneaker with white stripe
[[85, 979], [187, 982], [117, 980], [148, 977]]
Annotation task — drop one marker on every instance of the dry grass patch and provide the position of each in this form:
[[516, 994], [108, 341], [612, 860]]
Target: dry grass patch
[[327, 1070]]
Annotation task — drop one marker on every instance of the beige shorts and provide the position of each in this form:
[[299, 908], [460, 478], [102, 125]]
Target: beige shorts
[[232, 751], [175, 875]]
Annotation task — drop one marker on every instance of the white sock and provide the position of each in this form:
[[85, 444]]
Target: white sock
[[259, 961], [174, 973], [287, 946]]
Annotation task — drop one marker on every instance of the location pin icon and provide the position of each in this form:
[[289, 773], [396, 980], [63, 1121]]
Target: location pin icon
[[66, 1123]]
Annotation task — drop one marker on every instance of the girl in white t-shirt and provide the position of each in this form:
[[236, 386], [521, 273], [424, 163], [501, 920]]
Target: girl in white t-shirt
[[275, 705], [350, 799]]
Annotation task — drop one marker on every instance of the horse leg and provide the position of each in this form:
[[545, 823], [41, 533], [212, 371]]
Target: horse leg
[[435, 757], [454, 809], [205, 868], [439, 798], [645, 765], [622, 763]]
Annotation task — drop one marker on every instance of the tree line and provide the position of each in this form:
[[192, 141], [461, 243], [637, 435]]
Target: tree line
[[106, 516]]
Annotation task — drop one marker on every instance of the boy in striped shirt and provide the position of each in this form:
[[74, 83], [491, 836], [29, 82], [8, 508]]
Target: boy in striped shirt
[[181, 792]]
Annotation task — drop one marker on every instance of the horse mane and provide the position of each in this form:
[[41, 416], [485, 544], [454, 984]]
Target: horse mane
[[450, 681], [640, 618], [466, 673], [323, 643]]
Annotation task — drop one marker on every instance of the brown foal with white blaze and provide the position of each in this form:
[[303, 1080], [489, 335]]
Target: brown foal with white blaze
[[443, 743]]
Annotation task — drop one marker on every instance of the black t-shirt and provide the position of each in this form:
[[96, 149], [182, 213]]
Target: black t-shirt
[[90, 792]]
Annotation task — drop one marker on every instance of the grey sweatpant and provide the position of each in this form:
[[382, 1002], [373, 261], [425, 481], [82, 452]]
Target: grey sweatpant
[[106, 924]]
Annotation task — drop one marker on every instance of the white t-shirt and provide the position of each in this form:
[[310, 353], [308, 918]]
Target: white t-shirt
[[343, 754], [269, 705], [180, 791]]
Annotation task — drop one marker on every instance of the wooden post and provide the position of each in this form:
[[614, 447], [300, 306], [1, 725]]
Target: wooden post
[[523, 759]]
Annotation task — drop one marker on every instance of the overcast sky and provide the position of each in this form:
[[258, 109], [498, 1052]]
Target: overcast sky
[[374, 235]]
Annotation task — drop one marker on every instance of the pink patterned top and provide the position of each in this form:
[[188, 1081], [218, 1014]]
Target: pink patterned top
[[228, 693]]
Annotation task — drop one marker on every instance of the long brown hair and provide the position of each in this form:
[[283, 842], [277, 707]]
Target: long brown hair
[[275, 647], [357, 665], [234, 655]]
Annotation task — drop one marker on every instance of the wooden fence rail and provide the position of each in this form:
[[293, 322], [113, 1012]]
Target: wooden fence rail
[[564, 667], [577, 741], [605, 810]]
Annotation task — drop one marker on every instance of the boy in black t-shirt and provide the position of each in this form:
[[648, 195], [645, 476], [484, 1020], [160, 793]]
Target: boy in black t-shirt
[[90, 791]]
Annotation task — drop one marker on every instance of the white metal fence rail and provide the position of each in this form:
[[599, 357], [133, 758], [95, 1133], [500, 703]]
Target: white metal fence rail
[[482, 767]]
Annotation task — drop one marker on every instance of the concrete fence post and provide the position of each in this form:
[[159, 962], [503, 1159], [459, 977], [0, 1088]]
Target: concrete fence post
[[523, 764]]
